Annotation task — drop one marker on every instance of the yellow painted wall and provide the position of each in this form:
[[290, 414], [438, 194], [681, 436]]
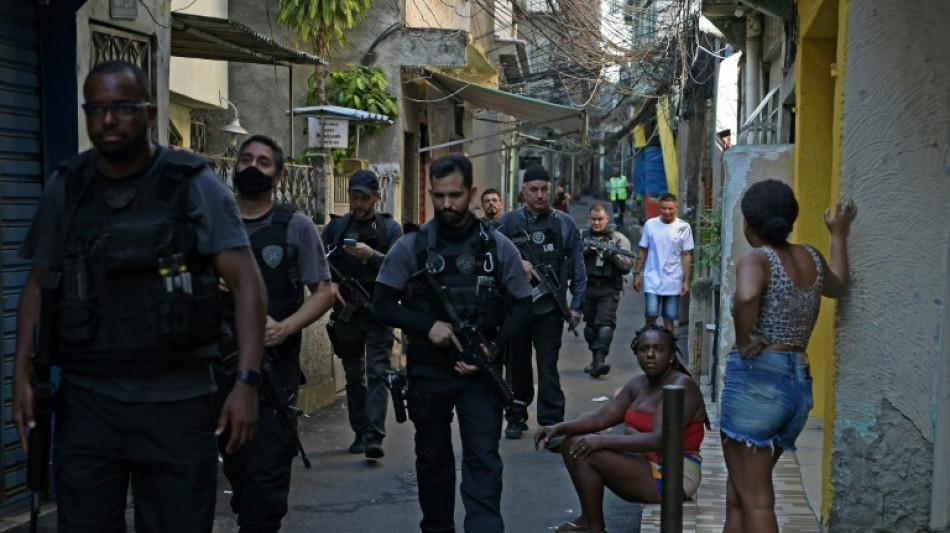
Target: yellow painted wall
[[819, 87], [180, 116]]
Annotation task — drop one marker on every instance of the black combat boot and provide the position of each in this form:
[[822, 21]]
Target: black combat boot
[[599, 367], [588, 368]]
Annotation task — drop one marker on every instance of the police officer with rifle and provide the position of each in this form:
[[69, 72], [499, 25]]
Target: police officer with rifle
[[551, 257], [607, 257], [479, 269], [359, 241], [134, 338], [291, 257]]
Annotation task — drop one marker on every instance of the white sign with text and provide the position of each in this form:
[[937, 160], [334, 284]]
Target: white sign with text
[[328, 132]]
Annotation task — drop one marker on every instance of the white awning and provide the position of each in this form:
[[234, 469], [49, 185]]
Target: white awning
[[537, 112], [347, 113]]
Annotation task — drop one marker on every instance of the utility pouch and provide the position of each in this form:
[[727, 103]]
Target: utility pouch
[[133, 245], [189, 320], [78, 317]]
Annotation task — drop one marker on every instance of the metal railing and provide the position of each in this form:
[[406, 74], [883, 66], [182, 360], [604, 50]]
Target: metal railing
[[762, 126], [298, 186]]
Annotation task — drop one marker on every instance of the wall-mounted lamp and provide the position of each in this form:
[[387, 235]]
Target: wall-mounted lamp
[[233, 129]]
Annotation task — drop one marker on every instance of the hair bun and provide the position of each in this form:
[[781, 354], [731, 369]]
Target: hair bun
[[776, 229]]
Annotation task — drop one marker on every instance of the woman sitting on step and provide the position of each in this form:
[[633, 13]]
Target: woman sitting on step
[[630, 464]]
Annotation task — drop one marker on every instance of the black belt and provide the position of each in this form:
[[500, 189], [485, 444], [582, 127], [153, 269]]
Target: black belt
[[601, 283]]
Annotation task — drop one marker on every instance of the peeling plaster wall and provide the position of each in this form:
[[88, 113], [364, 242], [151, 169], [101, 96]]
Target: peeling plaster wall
[[882, 476], [744, 165], [261, 93], [896, 166]]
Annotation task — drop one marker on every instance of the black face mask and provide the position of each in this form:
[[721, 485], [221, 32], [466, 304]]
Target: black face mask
[[251, 181]]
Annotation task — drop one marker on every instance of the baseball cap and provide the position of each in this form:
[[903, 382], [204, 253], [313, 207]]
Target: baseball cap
[[364, 180]]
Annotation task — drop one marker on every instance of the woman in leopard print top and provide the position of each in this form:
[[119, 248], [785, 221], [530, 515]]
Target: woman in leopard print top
[[767, 387]]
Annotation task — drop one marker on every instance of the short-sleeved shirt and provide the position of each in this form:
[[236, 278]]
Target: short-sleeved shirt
[[665, 243], [218, 228], [306, 255], [401, 262]]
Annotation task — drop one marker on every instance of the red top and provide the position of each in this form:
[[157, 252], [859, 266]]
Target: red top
[[643, 422]]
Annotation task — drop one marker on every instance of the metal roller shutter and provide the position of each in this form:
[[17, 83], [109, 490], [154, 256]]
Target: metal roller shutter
[[21, 179]]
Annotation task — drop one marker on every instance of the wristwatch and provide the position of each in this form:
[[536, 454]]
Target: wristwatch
[[637, 273], [251, 377]]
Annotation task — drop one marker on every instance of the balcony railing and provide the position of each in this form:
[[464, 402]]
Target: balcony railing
[[762, 126], [298, 186]]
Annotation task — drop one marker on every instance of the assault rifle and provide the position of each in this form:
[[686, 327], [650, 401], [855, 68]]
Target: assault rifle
[[547, 283], [607, 247], [356, 296], [283, 398], [473, 343], [44, 394]]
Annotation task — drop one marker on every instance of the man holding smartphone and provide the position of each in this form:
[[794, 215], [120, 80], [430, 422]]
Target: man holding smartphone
[[357, 243]]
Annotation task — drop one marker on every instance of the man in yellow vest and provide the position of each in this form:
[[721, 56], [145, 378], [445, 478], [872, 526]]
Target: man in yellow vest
[[618, 195]]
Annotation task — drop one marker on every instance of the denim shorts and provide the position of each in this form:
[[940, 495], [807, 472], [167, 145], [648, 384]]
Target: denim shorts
[[669, 303], [765, 400]]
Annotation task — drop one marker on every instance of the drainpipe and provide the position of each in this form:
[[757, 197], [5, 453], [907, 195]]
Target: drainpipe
[[753, 62]]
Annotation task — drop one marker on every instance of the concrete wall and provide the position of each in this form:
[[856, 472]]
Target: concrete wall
[[370, 43], [892, 379], [745, 165], [446, 15], [261, 93]]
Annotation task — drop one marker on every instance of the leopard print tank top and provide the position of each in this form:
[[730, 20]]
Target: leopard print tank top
[[787, 312]]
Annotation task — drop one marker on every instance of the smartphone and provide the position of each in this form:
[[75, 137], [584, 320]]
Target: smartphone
[[349, 242]]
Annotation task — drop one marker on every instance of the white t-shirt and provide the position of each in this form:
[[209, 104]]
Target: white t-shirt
[[665, 244]]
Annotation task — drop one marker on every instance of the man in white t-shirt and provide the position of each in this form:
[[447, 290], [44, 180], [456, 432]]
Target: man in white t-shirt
[[663, 263]]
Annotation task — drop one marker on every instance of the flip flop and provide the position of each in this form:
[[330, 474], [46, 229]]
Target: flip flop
[[567, 527]]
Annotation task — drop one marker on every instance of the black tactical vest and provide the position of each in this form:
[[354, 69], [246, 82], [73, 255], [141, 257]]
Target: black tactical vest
[[546, 239], [135, 294], [374, 234], [469, 271], [284, 296], [607, 270]]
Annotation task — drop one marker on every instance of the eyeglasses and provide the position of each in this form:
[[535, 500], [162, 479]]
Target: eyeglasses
[[120, 110]]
